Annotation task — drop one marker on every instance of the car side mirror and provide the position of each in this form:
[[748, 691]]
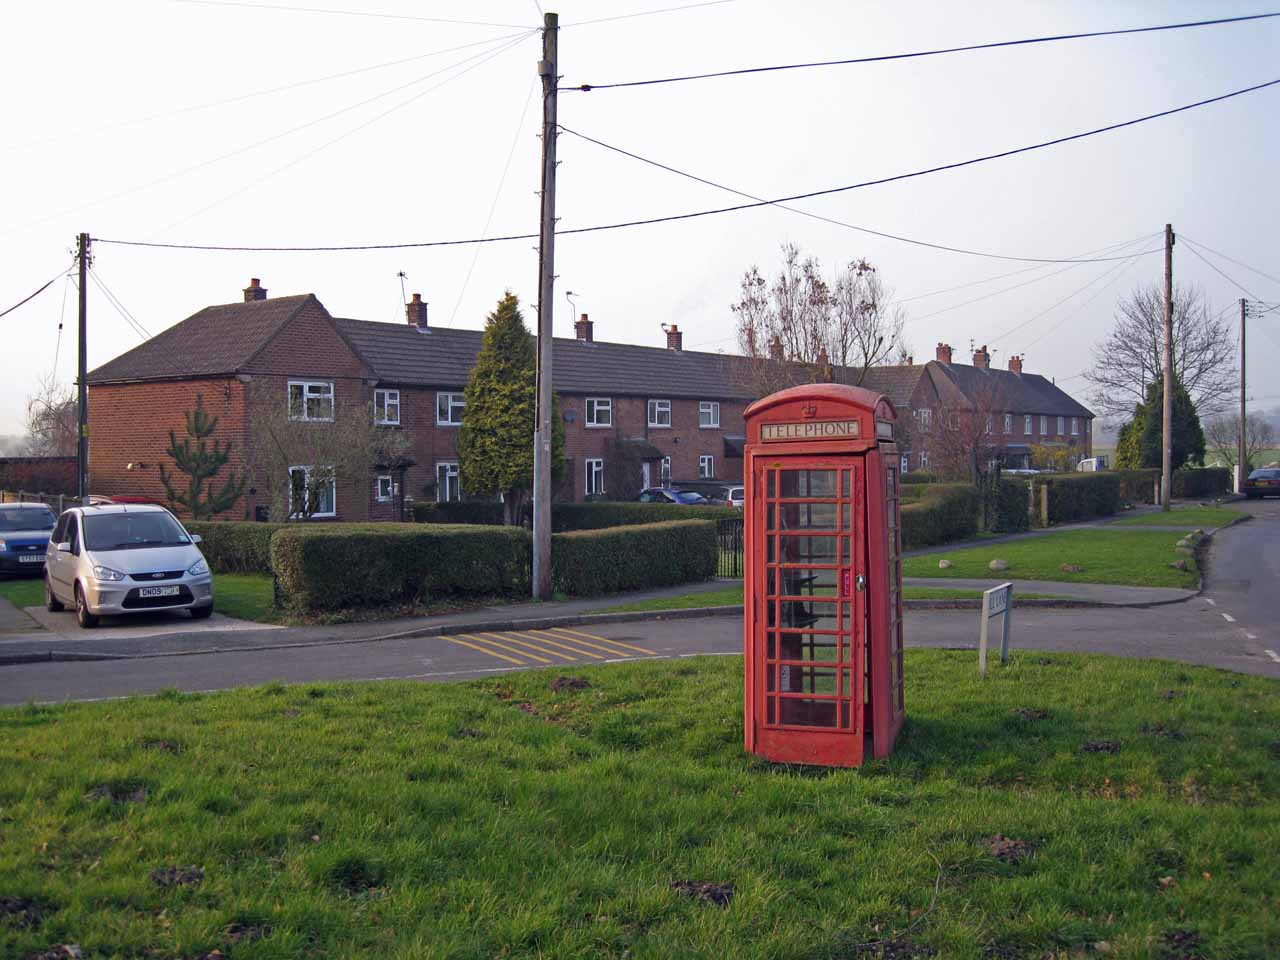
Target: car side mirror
[[196, 538], [64, 547]]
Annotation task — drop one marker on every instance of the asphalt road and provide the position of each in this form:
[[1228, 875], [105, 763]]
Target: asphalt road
[[1242, 580]]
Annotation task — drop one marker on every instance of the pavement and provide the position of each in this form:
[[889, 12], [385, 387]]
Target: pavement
[[1101, 594]]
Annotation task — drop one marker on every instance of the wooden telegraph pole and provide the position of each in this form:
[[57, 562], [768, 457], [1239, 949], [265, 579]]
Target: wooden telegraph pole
[[1166, 471], [1242, 470], [546, 299], [82, 425]]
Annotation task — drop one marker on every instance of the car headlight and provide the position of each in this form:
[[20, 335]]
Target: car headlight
[[106, 573], [3, 546], [199, 568]]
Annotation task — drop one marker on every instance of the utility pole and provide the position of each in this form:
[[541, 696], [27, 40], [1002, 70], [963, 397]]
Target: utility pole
[[82, 380], [1242, 470], [1166, 471], [546, 302]]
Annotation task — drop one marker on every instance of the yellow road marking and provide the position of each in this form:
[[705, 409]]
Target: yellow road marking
[[553, 643], [576, 634], [510, 637], [502, 646], [500, 656]]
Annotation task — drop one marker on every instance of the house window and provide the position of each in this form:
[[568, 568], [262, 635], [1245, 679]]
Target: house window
[[926, 420], [1026, 425], [666, 471], [599, 412], [447, 486], [312, 492], [1075, 426], [310, 400], [1044, 425], [708, 413], [706, 467], [595, 476], [386, 406], [924, 459], [1062, 427], [906, 463], [386, 488], [449, 407], [1008, 423], [989, 423], [659, 413]]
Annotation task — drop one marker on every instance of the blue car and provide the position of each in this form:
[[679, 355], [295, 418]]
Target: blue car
[[24, 537]]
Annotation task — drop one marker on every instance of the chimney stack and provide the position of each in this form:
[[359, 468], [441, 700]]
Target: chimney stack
[[254, 291], [775, 348], [944, 353], [1015, 365], [416, 312], [675, 339], [982, 359], [583, 328], [911, 361]]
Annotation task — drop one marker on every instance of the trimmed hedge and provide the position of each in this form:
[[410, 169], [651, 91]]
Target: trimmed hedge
[[920, 476], [588, 562], [597, 516], [236, 546], [1196, 482], [1081, 496], [1011, 513], [1137, 486], [949, 512], [455, 512], [337, 566]]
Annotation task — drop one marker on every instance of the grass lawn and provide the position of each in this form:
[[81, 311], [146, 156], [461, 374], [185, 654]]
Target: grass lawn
[[1190, 517], [23, 591], [247, 596], [1136, 557], [504, 819], [733, 595]]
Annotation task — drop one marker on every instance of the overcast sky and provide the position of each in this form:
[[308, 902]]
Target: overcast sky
[[102, 136]]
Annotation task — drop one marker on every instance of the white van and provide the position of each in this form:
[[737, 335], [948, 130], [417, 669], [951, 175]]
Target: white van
[[1092, 464]]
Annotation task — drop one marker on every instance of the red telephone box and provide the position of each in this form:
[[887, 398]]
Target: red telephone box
[[823, 576]]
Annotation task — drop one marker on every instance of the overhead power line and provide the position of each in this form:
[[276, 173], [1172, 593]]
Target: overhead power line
[[1238, 263], [1214, 268], [120, 308], [586, 87], [348, 13], [32, 296], [644, 13], [712, 212]]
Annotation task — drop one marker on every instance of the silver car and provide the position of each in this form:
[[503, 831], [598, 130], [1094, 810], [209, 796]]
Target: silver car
[[125, 558]]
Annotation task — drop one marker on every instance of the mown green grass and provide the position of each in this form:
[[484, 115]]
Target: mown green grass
[[503, 819], [1135, 557], [733, 596], [23, 591], [248, 596], [1190, 517]]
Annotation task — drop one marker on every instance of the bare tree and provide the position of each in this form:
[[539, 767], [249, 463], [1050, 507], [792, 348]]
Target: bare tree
[[800, 328], [53, 420], [1223, 434], [1132, 355], [963, 441]]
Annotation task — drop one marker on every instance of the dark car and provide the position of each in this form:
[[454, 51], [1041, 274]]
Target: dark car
[[1264, 482], [689, 498], [24, 536]]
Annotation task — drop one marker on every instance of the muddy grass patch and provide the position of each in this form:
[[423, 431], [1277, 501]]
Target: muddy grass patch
[[177, 876], [1182, 945], [560, 684], [355, 874], [129, 791], [1160, 730], [164, 746], [718, 894], [1008, 849], [1031, 713], [22, 911], [1100, 746], [899, 949]]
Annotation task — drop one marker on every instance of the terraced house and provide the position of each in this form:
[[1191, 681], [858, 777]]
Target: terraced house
[[633, 416]]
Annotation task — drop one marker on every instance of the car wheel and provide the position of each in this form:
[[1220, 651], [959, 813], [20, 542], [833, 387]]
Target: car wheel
[[86, 619], [51, 602], [201, 613]]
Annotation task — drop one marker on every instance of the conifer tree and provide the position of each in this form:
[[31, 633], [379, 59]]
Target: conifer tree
[[201, 463], [495, 442]]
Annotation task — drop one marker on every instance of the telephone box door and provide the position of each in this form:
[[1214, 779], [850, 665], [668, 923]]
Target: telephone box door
[[809, 621]]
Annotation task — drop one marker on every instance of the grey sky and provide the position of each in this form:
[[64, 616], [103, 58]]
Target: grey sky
[[430, 169]]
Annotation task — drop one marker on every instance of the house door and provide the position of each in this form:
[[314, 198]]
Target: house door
[[810, 627], [644, 476]]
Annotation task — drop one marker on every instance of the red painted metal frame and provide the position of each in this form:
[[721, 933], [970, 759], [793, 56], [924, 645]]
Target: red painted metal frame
[[868, 616]]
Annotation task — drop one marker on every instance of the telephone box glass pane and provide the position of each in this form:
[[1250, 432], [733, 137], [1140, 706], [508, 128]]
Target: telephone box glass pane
[[803, 516], [811, 647], [817, 680], [805, 615], [809, 582], [807, 483], [804, 712], [812, 549]]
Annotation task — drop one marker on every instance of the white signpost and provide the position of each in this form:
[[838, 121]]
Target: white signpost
[[996, 602]]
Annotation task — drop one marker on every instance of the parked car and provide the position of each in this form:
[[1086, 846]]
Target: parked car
[[667, 495], [1092, 464], [736, 497], [122, 558], [1263, 482], [24, 537]]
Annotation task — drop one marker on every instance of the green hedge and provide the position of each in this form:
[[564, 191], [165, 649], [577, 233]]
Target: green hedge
[[920, 476], [597, 516], [587, 562], [236, 546], [1196, 482], [1136, 486], [1011, 503], [950, 512], [455, 512], [337, 566], [1081, 496]]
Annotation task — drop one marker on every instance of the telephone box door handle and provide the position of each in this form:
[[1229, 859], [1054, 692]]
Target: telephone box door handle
[[862, 582]]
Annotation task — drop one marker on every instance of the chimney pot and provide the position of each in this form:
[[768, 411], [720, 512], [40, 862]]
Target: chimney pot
[[416, 312], [254, 291], [584, 329], [982, 359], [675, 339], [911, 361], [1015, 365], [775, 348], [944, 352]]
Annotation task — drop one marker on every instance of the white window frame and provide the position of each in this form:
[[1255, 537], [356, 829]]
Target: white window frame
[[1075, 426], [664, 472], [655, 409], [905, 464], [452, 478], [455, 401], [926, 420], [1008, 423], [708, 414], [1044, 425], [383, 400], [706, 467], [593, 479], [306, 485], [599, 411], [1062, 426], [924, 459], [390, 483], [990, 423], [323, 390], [1028, 425]]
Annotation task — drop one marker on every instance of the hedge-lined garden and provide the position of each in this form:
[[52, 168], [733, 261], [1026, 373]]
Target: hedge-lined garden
[[574, 516], [949, 511]]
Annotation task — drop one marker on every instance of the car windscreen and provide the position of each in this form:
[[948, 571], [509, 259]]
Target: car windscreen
[[123, 531], [688, 496], [26, 518], [1265, 475]]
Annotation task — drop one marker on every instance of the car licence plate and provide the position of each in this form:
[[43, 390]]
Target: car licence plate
[[158, 591], [32, 558]]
